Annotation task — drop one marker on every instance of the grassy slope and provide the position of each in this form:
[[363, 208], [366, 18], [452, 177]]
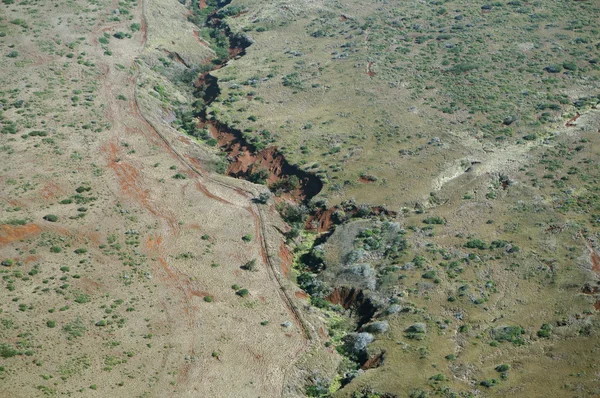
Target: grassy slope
[[476, 78], [335, 119]]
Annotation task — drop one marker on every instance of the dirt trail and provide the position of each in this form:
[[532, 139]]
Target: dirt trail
[[133, 179]]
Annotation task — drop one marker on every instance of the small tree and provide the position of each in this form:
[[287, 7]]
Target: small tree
[[51, 218], [250, 265]]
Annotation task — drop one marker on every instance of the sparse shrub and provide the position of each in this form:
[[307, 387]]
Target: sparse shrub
[[247, 238], [434, 220], [8, 262], [75, 328], [208, 299], [356, 344], [263, 198], [250, 265], [502, 368], [376, 327], [429, 275], [476, 244], [553, 68], [7, 351], [545, 331], [416, 331], [242, 292], [509, 333], [51, 218], [489, 383]]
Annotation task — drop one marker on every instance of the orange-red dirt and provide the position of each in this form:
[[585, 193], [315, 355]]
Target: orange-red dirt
[[287, 257], [594, 258], [9, 233], [373, 362]]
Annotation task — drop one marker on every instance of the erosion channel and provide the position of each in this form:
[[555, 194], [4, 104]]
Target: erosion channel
[[247, 160]]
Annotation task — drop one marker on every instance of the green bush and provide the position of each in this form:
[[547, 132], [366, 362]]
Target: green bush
[[553, 68], [476, 244], [8, 262], [434, 220], [242, 292], [509, 333], [250, 265], [51, 218], [462, 68], [429, 275], [502, 368], [489, 383], [7, 351], [545, 331]]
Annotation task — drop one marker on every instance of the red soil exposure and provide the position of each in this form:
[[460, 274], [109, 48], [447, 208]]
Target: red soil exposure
[[322, 333], [235, 51], [88, 286], [370, 71], [144, 30], [354, 300], [321, 220], [343, 17], [176, 57], [571, 121], [205, 191], [366, 180], [30, 259], [244, 161], [301, 295], [129, 180], [594, 257], [50, 190], [597, 305], [258, 232], [374, 361], [198, 293], [287, 258], [9, 233], [202, 4], [197, 36]]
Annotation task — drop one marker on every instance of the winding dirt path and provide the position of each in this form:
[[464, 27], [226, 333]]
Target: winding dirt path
[[133, 181]]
